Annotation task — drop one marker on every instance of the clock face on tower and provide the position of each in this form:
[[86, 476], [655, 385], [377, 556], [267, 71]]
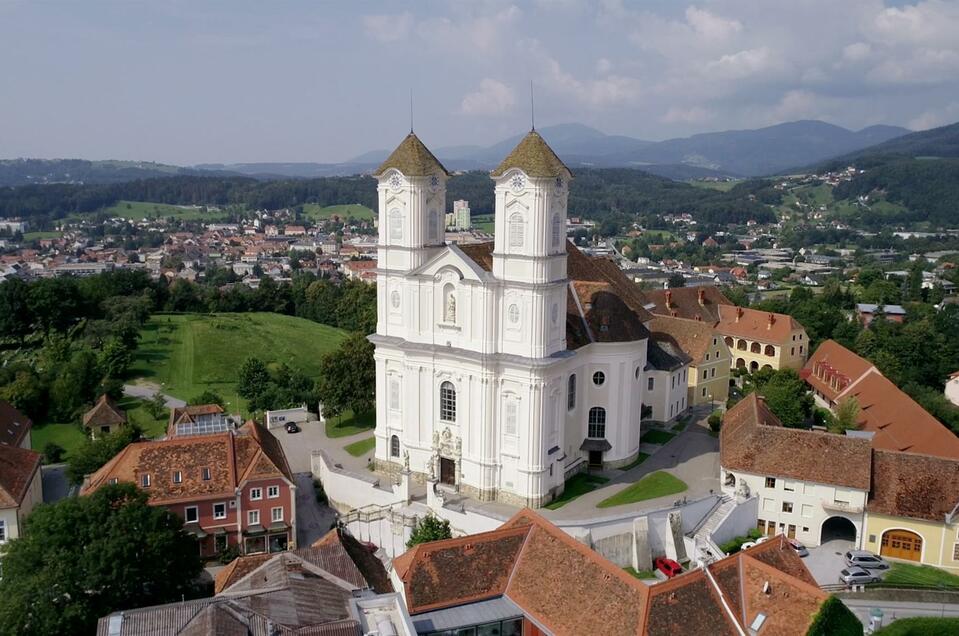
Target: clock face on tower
[[396, 181], [517, 182]]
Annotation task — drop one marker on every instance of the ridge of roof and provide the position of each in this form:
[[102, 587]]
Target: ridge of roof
[[412, 158], [533, 156]]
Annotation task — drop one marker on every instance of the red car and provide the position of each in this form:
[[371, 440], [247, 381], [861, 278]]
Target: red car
[[667, 566]]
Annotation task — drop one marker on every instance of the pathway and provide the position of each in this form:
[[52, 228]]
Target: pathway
[[899, 609], [313, 520], [147, 391]]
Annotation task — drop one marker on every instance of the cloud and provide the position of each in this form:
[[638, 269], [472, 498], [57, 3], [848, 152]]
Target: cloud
[[492, 98], [742, 64], [710, 25], [388, 28], [935, 117], [856, 52], [692, 115], [470, 33], [932, 23]]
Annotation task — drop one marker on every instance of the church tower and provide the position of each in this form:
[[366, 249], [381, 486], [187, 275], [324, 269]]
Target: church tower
[[411, 185], [529, 255]]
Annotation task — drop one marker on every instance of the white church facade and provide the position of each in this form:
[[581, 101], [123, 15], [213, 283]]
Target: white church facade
[[500, 366]]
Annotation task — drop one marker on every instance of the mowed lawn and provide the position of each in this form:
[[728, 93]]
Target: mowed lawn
[[190, 353], [317, 212], [653, 485], [137, 210], [909, 575]]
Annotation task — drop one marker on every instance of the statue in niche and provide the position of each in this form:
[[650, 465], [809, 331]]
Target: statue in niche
[[743, 489], [406, 461], [450, 312]]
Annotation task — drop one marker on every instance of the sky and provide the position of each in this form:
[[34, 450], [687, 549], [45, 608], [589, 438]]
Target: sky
[[196, 81]]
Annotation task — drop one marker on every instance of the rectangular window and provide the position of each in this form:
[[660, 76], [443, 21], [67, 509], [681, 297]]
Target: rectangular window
[[256, 493], [789, 486], [792, 351], [955, 552], [705, 373], [704, 391], [205, 474], [649, 384], [761, 525], [272, 492], [145, 481], [394, 394], [807, 510], [3, 530], [770, 482], [800, 348], [707, 356], [715, 342], [712, 372], [672, 381], [787, 506], [219, 511], [191, 514], [571, 393], [276, 514], [253, 517], [511, 417], [177, 477]]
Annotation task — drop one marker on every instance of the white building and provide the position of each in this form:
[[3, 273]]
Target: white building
[[459, 218], [500, 366], [952, 388], [667, 377]]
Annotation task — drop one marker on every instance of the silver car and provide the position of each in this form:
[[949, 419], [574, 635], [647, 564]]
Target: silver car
[[865, 559], [857, 576]]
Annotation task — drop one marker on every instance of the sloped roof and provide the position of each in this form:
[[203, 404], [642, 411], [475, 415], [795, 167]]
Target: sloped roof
[[17, 468], [412, 158], [664, 353], [693, 336], [837, 359], [693, 303], [912, 485], [752, 439], [533, 156], [762, 326], [14, 425], [104, 413]]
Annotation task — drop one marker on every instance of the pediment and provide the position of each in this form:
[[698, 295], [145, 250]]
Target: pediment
[[452, 260]]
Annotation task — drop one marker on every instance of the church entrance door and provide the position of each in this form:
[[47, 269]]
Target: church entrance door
[[447, 471]]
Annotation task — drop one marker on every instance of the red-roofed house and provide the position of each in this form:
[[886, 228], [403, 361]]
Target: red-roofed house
[[14, 426], [21, 488], [232, 489]]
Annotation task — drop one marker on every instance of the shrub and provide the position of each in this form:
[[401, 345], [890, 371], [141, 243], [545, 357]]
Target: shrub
[[834, 619], [715, 422], [735, 544], [430, 528], [53, 453], [320, 493], [228, 554]]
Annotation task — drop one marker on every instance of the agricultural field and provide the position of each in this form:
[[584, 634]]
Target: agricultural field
[[186, 354], [36, 236], [317, 212], [483, 222], [138, 210], [722, 186]]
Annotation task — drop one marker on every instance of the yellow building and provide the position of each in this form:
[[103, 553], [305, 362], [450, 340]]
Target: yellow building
[[913, 509], [760, 339], [708, 377]]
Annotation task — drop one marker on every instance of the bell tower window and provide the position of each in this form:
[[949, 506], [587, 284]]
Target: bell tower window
[[516, 230], [396, 225], [433, 226], [555, 230]]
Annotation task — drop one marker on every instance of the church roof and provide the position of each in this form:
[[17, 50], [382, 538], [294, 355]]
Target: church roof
[[533, 156], [413, 159]]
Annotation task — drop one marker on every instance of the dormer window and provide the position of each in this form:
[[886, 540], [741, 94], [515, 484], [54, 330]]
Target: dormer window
[[145, 481], [177, 477], [205, 473]]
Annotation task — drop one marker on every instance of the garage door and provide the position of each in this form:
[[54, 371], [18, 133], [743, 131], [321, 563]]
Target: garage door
[[901, 544]]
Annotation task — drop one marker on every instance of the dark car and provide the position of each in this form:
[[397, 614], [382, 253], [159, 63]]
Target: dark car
[[667, 566], [291, 427]]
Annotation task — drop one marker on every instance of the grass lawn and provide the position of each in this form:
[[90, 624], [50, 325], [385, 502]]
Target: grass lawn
[[640, 458], [69, 436], [906, 574], [578, 484], [349, 424], [656, 436], [36, 236], [318, 212], [483, 222], [640, 574], [136, 210], [921, 626], [362, 447], [722, 186], [653, 485], [189, 353], [139, 415]]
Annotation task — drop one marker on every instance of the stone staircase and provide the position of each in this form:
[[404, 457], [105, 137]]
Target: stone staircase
[[706, 550]]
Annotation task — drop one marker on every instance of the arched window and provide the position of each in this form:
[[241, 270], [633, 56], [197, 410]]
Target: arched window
[[770, 350], [449, 304], [433, 227], [597, 422], [516, 230], [447, 402], [396, 225], [555, 230], [729, 342], [571, 392], [741, 345], [755, 347], [394, 446]]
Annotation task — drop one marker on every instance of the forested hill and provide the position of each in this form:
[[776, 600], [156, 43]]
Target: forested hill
[[15, 172], [622, 194], [942, 142]]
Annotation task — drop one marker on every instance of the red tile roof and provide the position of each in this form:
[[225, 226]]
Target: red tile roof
[[104, 413], [17, 469], [14, 425], [832, 367], [693, 303], [693, 336], [916, 486], [752, 439], [762, 326]]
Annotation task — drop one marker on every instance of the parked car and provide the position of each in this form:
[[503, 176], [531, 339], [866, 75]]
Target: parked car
[[667, 566], [854, 575], [747, 545], [866, 559], [799, 548], [291, 427], [763, 539]]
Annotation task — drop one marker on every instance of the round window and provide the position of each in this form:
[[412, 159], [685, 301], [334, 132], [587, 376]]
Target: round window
[[599, 378], [513, 314], [395, 299]]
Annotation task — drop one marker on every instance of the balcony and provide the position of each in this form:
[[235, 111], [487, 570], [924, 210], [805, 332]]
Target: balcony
[[841, 506]]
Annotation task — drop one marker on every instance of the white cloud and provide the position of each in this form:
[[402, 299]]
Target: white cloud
[[742, 64], [492, 98], [470, 33], [797, 104], [692, 115], [388, 28], [931, 23], [935, 117], [856, 52], [710, 25], [603, 66]]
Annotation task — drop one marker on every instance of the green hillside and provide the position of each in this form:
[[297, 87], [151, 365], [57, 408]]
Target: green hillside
[[190, 353], [137, 210], [318, 212]]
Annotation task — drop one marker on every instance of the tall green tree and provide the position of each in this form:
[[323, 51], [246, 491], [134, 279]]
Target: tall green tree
[[348, 377], [429, 528], [85, 557], [253, 378]]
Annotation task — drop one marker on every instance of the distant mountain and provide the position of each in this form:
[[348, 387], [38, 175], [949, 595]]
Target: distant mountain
[[14, 172], [942, 142]]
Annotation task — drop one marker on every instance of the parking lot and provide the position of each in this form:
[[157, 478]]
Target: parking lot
[[826, 561]]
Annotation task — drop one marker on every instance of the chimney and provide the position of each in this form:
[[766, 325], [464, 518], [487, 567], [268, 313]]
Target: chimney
[[701, 294], [739, 313], [669, 299], [770, 320]]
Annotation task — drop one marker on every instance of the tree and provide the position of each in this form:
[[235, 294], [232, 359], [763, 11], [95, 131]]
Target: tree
[[85, 557], [15, 316], [92, 454], [846, 416], [785, 393], [156, 406], [835, 619], [208, 397], [53, 453], [430, 528], [253, 378], [675, 280], [348, 377]]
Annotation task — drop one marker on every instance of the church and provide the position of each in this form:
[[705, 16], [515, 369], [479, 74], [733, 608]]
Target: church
[[501, 367]]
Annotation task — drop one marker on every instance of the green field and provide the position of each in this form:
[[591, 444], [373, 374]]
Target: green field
[[36, 236], [483, 222], [908, 575], [317, 212], [722, 186], [187, 354], [68, 436], [640, 574], [653, 485], [362, 447], [136, 210], [349, 424], [577, 485], [920, 626]]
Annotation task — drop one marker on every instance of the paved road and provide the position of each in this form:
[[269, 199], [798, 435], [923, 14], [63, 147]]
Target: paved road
[[899, 609], [147, 392], [56, 486], [312, 519], [825, 561]]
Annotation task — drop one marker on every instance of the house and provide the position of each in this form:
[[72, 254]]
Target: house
[[334, 587], [667, 370], [867, 312], [709, 365], [364, 270], [538, 580], [105, 417], [810, 485], [294, 230], [952, 388], [231, 488], [892, 418], [21, 488], [197, 419], [15, 427], [756, 339]]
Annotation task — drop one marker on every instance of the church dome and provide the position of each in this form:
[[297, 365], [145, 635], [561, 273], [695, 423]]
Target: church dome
[[533, 156], [413, 159]]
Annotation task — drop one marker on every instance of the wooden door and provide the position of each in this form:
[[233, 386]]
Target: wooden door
[[447, 471], [901, 544], [792, 532]]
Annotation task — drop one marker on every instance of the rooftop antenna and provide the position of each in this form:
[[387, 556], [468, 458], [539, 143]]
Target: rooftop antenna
[[411, 111], [532, 110]]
